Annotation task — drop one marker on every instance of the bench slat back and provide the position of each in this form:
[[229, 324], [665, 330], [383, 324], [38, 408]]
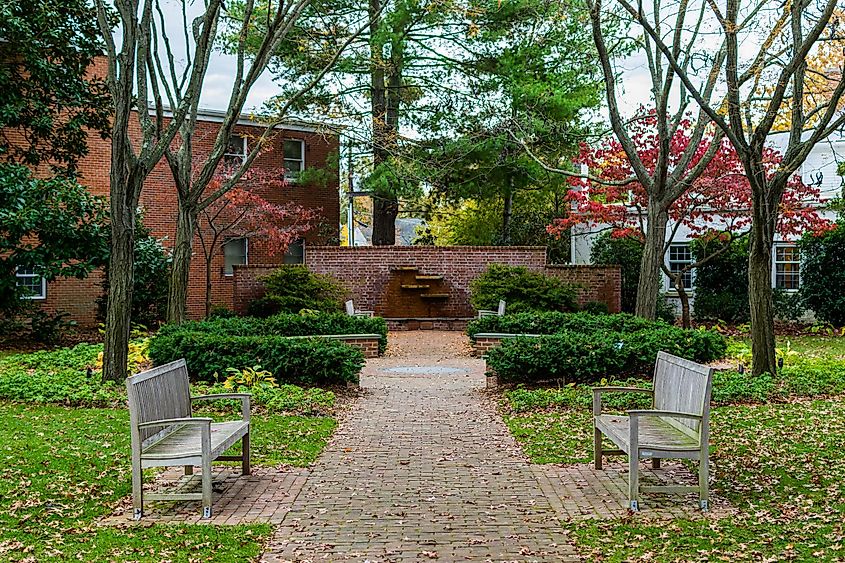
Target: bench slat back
[[160, 393], [682, 386], [350, 308]]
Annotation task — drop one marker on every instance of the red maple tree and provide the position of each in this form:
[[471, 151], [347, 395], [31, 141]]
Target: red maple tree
[[243, 212], [717, 206]]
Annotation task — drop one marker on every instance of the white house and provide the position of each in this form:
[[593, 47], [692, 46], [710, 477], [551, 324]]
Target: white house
[[820, 169]]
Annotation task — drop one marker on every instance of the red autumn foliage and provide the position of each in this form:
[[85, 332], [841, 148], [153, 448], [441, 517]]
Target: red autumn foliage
[[718, 200]]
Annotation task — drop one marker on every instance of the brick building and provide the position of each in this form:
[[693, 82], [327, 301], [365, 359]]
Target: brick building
[[296, 146]]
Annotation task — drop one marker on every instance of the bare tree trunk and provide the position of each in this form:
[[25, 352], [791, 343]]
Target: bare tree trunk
[[648, 290], [208, 260], [683, 297], [121, 279], [180, 268], [760, 300], [507, 213]]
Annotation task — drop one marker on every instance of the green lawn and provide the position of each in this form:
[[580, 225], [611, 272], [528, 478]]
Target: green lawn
[[781, 464], [63, 468]]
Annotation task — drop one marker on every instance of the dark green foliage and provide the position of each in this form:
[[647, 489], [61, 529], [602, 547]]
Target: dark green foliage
[[721, 284], [286, 325], [49, 104], [595, 308], [523, 290], [789, 305], [823, 274], [588, 357], [291, 289], [626, 252], [49, 328], [302, 361], [152, 271], [52, 226], [551, 322], [220, 312]]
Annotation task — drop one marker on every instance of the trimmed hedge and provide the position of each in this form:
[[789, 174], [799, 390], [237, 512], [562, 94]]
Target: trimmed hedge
[[553, 322], [523, 289], [298, 361], [286, 325], [588, 357]]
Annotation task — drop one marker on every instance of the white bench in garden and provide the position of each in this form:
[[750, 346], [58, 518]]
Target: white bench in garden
[[677, 427], [352, 312], [164, 434], [500, 312]]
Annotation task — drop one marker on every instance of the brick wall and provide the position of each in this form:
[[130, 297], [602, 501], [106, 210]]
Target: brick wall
[[368, 271], [159, 203], [247, 284], [595, 283]]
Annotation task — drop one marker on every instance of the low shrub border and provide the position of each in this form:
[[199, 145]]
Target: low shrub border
[[576, 357], [552, 322], [302, 361], [317, 324]]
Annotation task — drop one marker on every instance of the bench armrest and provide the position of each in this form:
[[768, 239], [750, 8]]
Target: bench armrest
[[597, 392], [244, 397], [364, 313], [199, 420], [671, 414]]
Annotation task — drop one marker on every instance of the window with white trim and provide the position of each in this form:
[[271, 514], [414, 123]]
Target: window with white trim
[[680, 256], [34, 285], [236, 148], [787, 267], [235, 252], [294, 158]]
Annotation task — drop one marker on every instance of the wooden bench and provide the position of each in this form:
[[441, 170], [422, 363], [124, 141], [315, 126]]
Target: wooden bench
[[500, 312], [164, 434], [677, 427], [352, 312]]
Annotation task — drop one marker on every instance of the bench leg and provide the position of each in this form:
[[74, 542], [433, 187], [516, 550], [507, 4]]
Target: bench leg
[[245, 469], [655, 463], [597, 453], [206, 486], [704, 482], [189, 470], [137, 490], [633, 481]]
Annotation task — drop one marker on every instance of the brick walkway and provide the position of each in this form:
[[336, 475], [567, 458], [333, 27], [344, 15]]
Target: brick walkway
[[421, 469]]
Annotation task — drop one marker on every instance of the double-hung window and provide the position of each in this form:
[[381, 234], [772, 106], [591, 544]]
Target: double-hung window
[[294, 158], [787, 267], [34, 285], [235, 252], [680, 256], [235, 154]]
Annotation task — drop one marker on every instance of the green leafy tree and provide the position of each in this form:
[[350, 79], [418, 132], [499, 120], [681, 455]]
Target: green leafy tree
[[627, 252], [49, 103], [53, 227], [823, 274], [527, 73]]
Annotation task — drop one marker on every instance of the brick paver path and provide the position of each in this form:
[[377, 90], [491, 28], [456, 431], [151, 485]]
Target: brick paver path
[[421, 469]]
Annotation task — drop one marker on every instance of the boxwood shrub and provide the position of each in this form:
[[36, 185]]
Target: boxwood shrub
[[552, 322], [287, 325], [587, 357], [299, 361]]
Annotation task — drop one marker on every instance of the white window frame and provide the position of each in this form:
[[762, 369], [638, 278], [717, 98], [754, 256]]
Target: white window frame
[[33, 297], [289, 177], [670, 286], [246, 255], [775, 263], [241, 155]]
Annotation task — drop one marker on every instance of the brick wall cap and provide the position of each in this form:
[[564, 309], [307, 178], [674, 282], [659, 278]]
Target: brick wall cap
[[424, 249], [583, 266], [339, 336], [501, 335]]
